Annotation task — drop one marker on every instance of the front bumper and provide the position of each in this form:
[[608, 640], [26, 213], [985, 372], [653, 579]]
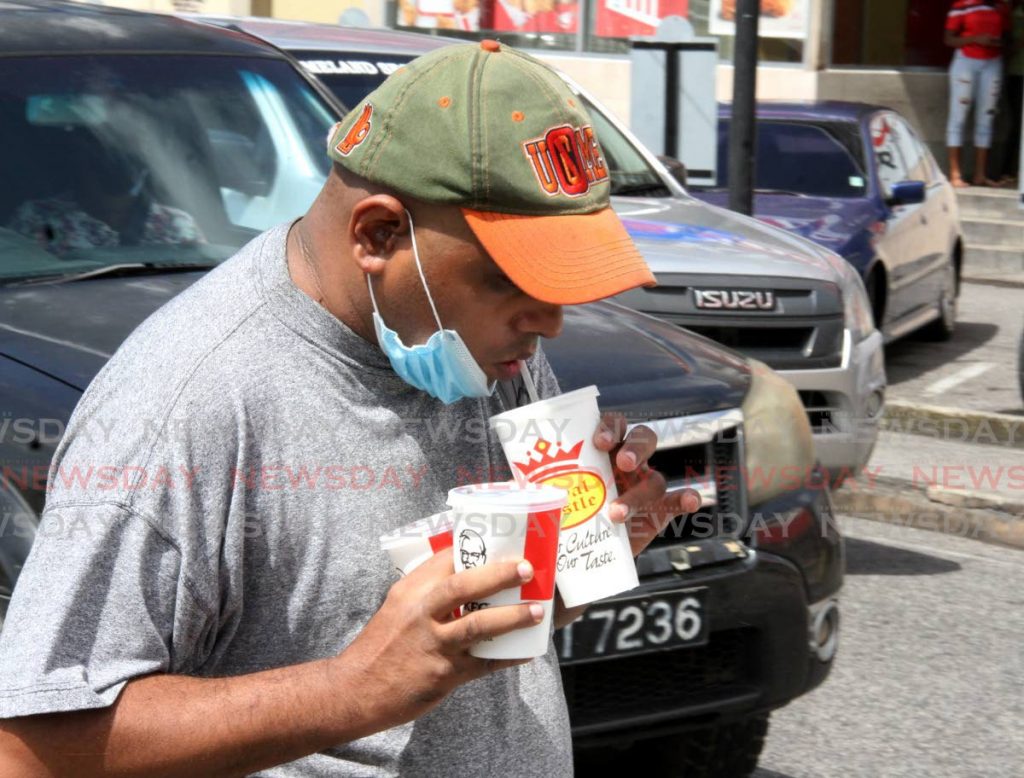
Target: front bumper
[[844, 404], [758, 655]]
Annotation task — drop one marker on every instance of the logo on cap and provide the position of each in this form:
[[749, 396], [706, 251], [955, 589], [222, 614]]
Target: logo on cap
[[357, 133], [567, 159]]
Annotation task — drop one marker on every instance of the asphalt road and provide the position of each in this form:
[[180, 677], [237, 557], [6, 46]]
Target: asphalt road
[[977, 368], [929, 679]]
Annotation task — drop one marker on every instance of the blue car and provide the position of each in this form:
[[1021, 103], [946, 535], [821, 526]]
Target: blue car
[[857, 179]]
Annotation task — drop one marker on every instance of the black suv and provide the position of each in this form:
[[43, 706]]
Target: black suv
[[141, 150]]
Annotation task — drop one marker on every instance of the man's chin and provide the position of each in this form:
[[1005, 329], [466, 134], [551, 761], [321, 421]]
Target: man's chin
[[502, 371]]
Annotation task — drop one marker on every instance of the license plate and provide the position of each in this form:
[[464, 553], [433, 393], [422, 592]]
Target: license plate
[[635, 625]]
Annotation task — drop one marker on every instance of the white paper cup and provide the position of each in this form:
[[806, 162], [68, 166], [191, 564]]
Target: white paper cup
[[502, 522], [551, 443], [412, 545]]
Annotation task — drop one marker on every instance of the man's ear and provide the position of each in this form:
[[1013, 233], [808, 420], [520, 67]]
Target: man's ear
[[376, 229]]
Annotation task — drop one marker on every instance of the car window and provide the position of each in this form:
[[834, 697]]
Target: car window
[[350, 77], [916, 158], [891, 149], [159, 159], [798, 158], [630, 174]]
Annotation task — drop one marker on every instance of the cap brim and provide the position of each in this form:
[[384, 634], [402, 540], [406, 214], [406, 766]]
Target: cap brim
[[564, 259]]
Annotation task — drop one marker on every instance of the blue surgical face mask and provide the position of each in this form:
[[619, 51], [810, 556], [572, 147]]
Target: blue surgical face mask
[[443, 367]]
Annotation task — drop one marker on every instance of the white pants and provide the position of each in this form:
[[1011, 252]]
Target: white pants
[[973, 81]]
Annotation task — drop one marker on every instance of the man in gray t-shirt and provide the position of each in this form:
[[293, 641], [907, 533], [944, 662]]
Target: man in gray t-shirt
[[206, 594]]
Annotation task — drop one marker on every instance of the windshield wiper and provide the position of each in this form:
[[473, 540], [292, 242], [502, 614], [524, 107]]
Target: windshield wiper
[[120, 270], [779, 191], [638, 190]]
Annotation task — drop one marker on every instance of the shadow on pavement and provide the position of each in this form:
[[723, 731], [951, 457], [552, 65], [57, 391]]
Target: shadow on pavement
[[760, 773], [866, 558], [907, 358]]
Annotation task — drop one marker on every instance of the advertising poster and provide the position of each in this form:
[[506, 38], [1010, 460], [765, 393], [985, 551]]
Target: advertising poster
[[462, 15], [623, 18], [779, 18], [553, 16]]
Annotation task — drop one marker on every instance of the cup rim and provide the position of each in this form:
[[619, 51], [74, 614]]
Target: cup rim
[[507, 497], [552, 402]]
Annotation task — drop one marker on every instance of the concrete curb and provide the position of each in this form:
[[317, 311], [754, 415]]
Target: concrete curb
[[941, 423], [1012, 281], [969, 514]]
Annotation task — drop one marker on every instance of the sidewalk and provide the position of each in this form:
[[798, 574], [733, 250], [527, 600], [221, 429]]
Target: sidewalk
[[973, 490]]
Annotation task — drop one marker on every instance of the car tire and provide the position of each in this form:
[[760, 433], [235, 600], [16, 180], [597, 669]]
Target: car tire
[[728, 750], [944, 327]]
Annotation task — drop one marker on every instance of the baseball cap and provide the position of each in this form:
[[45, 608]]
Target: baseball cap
[[499, 134]]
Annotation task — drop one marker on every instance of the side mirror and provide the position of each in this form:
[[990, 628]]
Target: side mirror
[[675, 167], [906, 193]]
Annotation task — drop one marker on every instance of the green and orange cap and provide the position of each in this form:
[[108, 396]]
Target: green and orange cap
[[499, 134]]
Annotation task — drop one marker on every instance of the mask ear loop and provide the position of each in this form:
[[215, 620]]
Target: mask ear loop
[[419, 267]]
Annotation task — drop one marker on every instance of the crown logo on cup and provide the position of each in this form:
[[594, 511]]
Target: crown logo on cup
[[548, 459]]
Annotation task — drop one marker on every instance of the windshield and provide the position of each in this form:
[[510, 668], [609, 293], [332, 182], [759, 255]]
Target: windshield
[[169, 160], [801, 159], [352, 77]]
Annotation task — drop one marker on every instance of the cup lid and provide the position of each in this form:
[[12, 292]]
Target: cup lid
[[437, 524], [508, 496]]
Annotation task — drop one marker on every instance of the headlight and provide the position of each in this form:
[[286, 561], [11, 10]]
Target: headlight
[[857, 315], [777, 436]]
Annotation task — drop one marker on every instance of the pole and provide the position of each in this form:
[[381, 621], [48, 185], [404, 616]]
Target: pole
[[744, 91]]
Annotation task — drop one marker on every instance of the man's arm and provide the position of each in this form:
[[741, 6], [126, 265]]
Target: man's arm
[[409, 656]]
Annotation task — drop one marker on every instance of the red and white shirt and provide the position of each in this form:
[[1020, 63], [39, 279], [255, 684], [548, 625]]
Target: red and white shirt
[[967, 18]]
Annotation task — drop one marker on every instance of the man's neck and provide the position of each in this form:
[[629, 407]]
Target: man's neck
[[319, 280]]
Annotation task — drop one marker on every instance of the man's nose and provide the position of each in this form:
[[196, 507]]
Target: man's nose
[[544, 319]]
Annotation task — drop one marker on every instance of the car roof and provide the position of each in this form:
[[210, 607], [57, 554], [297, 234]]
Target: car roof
[[810, 110], [53, 27], [298, 36]]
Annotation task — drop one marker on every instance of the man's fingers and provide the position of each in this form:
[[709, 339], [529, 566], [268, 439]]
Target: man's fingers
[[489, 623], [610, 431], [477, 583], [644, 493], [636, 449]]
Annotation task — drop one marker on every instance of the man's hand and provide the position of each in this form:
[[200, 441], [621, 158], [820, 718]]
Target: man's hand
[[642, 499], [413, 653]]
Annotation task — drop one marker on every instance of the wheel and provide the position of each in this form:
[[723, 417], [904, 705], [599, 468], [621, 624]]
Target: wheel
[[722, 751], [944, 326]]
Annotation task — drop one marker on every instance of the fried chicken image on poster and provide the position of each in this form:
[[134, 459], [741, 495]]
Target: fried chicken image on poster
[[778, 18], [770, 8]]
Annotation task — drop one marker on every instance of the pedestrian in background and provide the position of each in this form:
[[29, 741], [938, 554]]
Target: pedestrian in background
[[977, 30]]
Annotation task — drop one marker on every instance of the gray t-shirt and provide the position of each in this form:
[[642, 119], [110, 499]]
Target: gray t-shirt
[[215, 510]]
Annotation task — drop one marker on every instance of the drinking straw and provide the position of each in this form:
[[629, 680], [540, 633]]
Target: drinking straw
[[528, 381]]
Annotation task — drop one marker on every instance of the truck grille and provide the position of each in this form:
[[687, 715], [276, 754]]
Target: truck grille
[[802, 330], [603, 692], [709, 461]]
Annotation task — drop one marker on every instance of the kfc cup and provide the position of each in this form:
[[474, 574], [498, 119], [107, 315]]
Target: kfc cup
[[501, 522], [412, 545], [551, 443]]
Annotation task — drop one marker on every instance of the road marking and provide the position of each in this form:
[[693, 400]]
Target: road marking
[[961, 375]]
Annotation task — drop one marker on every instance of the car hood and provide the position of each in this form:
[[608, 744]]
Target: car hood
[[642, 366], [829, 222], [684, 235], [70, 330]]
